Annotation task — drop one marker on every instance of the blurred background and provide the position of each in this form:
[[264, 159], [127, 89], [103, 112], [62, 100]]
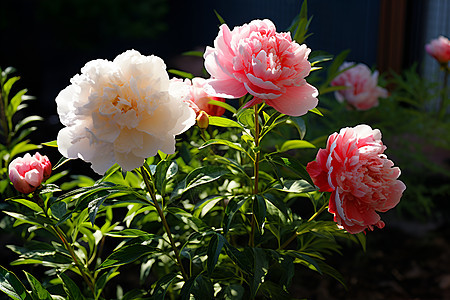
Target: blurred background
[[49, 41]]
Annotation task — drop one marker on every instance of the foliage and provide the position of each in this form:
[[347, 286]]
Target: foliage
[[13, 134]]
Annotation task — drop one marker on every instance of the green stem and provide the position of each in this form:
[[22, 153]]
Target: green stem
[[147, 179], [256, 175], [443, 106], [294, 236], [69, 248]]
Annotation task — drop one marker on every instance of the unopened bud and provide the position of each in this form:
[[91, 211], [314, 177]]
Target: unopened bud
[[202, 120]]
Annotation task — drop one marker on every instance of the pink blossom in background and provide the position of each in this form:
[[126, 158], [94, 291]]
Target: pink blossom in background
[[362, 90], [201, 98], [440, 49], [361, 179], [255, 59], [28, 172]]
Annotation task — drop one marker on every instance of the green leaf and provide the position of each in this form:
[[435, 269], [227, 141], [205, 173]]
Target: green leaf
[[214, 248], [50, 144], [232, 145], [30, 204], [316, 111], [259, 209], [15, 102], [203, 175], [72, 290], [319, 56], [294, 186], [221, 20], [362, 239], [132, 233], [223, 104], [296, 144], [162, 285], [193, 53], [233, 206], [126, 255], [199, 287], [337, 62], [244, 259], [94, 205], [223, 122], [38, 291], [8, 85], [59, 209], [246, 117], [23, 146], [103, 280], [181, 73], [165, 170], [261, 267], [292, 164], [27, 120], [233, 292], [299, 123], [203, 207], [11, 286]]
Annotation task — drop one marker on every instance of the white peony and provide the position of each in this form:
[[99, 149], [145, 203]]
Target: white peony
[[121, 112]]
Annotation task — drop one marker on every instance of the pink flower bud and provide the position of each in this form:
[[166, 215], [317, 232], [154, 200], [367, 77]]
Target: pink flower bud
[[27, 173], [202, 120], [440, 49]]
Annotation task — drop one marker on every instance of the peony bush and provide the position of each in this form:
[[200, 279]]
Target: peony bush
[[199, 196]]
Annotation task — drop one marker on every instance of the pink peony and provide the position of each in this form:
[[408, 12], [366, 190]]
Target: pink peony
[[27, 173], [361, 178], [440, 49], [255, 59], [362, 91], [200, 98]]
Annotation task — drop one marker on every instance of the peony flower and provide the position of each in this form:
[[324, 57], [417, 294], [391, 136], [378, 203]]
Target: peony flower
[[201, 98], [440, 49], [255, 59], [361, 179], [28, 172], [121, 111], [362, 91]]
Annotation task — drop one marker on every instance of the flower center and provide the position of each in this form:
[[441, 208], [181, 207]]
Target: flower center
[[124, 105]]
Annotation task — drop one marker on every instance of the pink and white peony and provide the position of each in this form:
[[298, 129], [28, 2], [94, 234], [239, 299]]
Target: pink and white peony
[[362, 90], [255, 59], [121, 111], [28, 172], [201, 98], [361, 178], [440, 49]]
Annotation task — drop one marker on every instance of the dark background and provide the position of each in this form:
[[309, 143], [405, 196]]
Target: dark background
[[48, 41]]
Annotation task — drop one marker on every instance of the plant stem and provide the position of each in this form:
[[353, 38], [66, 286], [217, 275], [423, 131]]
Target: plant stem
[[164, 221], [443, 106], [294, 236], [256, 175], [69, 248]]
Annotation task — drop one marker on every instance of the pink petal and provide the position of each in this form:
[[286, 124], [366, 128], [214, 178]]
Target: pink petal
[[225, 88], [296, 101]]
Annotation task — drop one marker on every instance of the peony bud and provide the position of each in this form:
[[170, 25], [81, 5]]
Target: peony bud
[[440, 49], [202, 120], [27, 173]]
